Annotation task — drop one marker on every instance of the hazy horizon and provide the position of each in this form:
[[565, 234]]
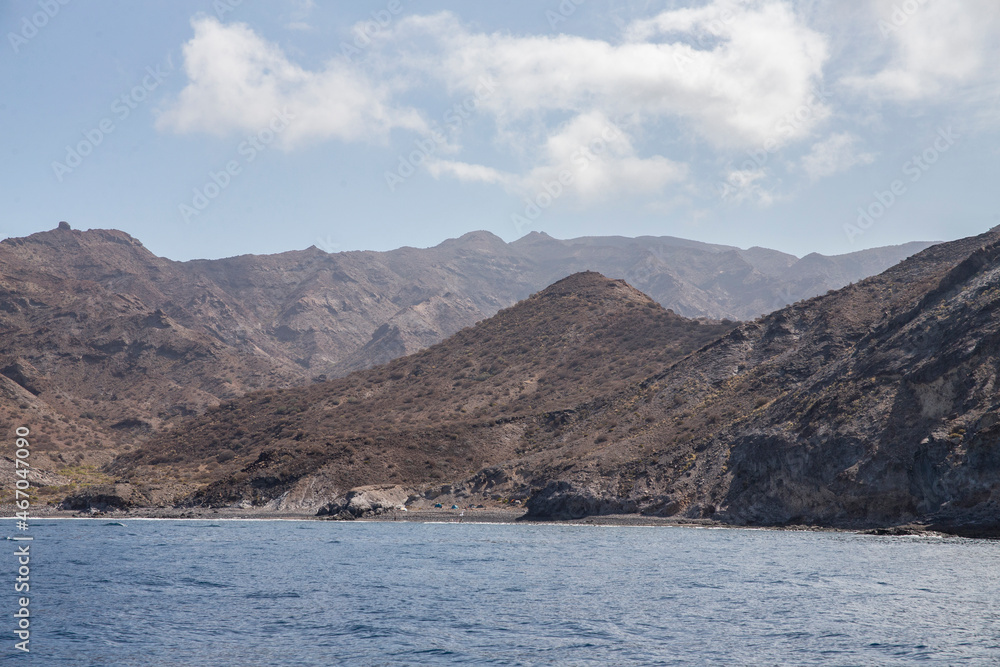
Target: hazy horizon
[[433, 244]]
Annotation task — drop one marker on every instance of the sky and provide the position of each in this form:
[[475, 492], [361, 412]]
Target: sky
[[216, 128]]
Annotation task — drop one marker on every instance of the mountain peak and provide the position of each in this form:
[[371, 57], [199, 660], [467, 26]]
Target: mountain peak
[[478, 240], [59, 250], [534, 237], [421, 417], [593, 286]]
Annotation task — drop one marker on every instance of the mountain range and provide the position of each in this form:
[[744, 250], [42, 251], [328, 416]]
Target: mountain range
[[288, 380], [872, 406], [424, 417], [104, 341]]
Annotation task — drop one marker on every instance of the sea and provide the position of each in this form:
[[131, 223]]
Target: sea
[[154, 593]]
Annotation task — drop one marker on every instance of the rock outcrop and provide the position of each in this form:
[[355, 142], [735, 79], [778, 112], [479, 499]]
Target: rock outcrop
[[366, 501]]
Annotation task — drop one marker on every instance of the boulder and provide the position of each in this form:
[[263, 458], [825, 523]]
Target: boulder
[[105, 498], [368, 501]]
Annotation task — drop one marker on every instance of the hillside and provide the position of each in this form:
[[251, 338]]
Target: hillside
[[873, 406], [707, 280], [420, 418], [103, 343], [98, 346]]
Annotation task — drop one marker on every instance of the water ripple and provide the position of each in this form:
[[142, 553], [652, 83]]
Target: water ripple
[[322, 593]]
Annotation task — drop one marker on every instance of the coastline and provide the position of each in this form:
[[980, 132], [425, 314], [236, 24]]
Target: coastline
[[475, 516]]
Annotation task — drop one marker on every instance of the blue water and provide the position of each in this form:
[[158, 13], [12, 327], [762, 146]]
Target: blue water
[[156, 593]]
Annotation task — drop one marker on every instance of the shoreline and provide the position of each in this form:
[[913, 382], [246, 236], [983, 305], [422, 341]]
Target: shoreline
[[491, 516]]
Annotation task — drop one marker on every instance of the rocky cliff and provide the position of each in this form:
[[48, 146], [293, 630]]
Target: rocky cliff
[[873, 406]]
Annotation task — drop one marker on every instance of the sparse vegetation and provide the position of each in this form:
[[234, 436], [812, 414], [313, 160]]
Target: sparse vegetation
[[594, 344]]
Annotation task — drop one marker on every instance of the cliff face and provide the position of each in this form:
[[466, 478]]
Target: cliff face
[[875, 405]]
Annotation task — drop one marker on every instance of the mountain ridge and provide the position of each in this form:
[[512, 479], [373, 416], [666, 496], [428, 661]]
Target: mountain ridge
[[528, 358], [870, 407], [105, 343], [836, 460]]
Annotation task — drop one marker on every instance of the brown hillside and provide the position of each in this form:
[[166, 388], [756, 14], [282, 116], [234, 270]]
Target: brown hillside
[[417, 419], [88, 359], [877, 405], [102, 343]]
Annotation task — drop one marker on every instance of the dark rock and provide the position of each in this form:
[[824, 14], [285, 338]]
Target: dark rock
[[563, 500], [26, 375], [132, 424], [104, 498]]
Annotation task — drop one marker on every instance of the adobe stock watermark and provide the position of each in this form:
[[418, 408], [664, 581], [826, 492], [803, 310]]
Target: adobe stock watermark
[[121, 109], [914, 168], [223, 7], [900, 15], [327, 244], [366, 30], [562, 13], [734, 187], [551, 190], [707, 37], [31, 25], [22, 501], [704, 39], [247, 151], [454, 118]]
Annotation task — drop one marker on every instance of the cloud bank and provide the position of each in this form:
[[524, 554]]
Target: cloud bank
[[237, 80], [689, 93]]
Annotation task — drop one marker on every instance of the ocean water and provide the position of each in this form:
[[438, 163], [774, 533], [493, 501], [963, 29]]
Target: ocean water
[[247, 593]]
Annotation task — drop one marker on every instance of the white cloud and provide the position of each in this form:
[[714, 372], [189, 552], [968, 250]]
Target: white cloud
[[743, 186], [934, 47], [733, 75], [237, 81], [602, 160], [464, 171], [588, 156], [837, 153], [755, 65]]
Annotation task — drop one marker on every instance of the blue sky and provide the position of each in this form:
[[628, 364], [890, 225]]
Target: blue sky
[[211, 129]]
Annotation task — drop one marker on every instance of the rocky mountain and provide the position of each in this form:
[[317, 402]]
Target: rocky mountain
[[102, 342], [872, 406], [706, 280], [414, 419]]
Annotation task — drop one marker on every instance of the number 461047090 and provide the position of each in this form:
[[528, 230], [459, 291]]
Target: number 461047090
[[21, 468]]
